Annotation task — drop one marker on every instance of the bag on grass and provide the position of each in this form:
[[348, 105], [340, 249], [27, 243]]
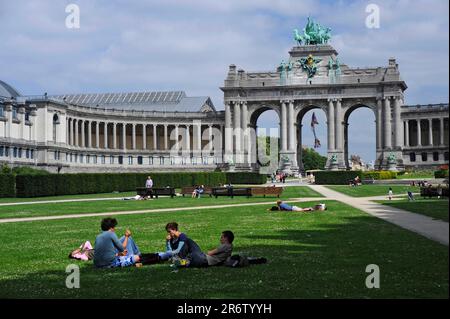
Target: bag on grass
[[236, 261]]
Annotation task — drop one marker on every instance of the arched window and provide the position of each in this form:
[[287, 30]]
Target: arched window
[[55, 123], [2, 114]]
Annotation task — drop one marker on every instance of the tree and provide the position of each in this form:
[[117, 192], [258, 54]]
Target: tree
[[312, 159]]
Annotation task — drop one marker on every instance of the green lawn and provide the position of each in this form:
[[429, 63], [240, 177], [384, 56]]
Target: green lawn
[[316, 255], [373, 190], [45, 209], [64, 197], [418, 174], [436, 208]]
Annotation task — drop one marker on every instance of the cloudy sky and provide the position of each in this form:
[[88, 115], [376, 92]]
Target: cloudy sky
[[188, 45]]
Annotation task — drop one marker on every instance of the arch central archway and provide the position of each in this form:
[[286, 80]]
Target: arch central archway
[[362, 132], [264, 125], [303, 114]]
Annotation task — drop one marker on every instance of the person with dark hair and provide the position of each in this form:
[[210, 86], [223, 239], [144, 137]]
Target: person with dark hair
[[282, 206], [175, 243], [215, 257], [109, 252], [223, 251]]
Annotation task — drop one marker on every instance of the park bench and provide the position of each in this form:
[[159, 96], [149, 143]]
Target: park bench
[[166, 191], [190, 189], [432, 191], [271, 191], [368, 181], [232, 191]]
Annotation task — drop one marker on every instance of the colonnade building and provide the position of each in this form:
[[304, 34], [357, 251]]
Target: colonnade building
[[164, 131]]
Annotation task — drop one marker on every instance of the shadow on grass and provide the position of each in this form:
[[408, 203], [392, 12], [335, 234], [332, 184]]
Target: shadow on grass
[[307, 260]]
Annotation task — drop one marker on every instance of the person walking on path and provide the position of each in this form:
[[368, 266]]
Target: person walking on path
[[390, 193]]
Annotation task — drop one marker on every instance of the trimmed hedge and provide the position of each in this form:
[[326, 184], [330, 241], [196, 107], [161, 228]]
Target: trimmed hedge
[[379, 175], [7, 185], [335, 177], [246, 178], [72, 184], [443, 173]]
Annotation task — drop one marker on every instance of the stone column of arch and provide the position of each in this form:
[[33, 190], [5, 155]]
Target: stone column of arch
[[144, 136], [330, 124], [228, 131], [387, 124], [291, 126], [398, 122], [237, 130], [441, 132], [379, 124], [244, 130], [339, 143], [283, 127]]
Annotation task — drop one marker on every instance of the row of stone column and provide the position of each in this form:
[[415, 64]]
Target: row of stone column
[[77, 127], [430, 132]]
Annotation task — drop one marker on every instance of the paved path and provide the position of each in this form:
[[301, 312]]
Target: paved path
[[426, 226], [158, 210]]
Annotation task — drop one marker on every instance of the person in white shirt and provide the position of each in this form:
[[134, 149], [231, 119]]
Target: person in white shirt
[[149, 187]]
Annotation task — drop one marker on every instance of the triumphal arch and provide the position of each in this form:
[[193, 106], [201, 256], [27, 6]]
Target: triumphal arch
[[313, 77]]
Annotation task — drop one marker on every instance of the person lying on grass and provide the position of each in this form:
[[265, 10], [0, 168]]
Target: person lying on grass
[[282, 206], [109, 252], [215, 257]]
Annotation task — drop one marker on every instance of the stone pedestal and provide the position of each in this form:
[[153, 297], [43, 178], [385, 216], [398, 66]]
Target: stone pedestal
[[335, 164]]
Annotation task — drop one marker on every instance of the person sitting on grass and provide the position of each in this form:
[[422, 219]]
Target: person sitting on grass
[[175, 243], [215, 257], [281, 206], [109, 252]]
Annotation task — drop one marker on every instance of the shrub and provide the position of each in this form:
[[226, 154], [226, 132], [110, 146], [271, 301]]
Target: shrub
[[246, 178], [85, 183], [379, 175], [7, 185], [335, 177], [26, 170], [441, 173]]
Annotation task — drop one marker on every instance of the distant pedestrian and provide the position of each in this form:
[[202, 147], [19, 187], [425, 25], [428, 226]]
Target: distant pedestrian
[[390, 193], [149, 187], [410, 196]]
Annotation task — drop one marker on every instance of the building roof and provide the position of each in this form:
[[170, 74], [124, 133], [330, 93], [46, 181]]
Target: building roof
[[170, 101], [7, 91]]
